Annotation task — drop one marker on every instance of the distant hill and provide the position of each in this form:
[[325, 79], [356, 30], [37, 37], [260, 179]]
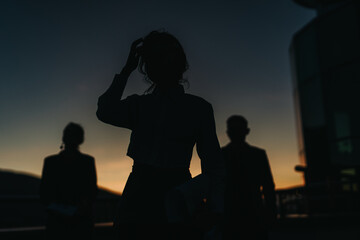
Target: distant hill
[[20, 204], [19, 183], [13, 183]]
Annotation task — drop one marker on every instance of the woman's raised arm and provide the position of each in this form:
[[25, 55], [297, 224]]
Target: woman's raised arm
[[111, 108]]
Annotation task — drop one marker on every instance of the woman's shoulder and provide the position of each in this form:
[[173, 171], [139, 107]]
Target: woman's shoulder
[[197, 100]]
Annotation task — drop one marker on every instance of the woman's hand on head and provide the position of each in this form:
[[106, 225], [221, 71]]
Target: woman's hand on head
[[134, 56]]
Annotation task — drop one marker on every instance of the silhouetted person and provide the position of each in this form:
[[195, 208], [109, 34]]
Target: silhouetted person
[[166, 123], [249, 196], [68, 188]]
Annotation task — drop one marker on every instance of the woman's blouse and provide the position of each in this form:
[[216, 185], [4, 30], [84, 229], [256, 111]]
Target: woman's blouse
[[165, 127]]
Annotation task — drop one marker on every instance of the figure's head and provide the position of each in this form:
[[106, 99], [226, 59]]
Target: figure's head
[[237, 128], [73, 135], [163, 60]]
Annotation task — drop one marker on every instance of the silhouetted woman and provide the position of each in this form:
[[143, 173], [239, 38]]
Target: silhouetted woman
[[165, 124], [68, 188]]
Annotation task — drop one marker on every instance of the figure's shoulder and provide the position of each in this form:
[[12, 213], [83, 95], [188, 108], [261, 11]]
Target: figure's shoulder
[[52, 159], [229, 150], [258, 152], [226, 148], [256, 149], [197, 102], [86, 157], [196, 99]]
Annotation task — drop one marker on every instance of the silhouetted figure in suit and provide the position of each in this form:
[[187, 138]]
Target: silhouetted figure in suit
[[68, 188], [249, 197], [166, 123]]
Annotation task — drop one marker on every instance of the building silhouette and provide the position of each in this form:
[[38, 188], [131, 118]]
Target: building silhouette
[[325, 61]]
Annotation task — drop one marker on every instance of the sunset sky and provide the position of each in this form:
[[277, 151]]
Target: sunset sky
[[57, 57]]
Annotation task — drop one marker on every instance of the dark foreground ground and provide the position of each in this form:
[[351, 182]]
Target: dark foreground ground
[[319, 228]]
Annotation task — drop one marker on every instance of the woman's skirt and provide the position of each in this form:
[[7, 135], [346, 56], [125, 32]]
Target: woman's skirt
[[141, 209]]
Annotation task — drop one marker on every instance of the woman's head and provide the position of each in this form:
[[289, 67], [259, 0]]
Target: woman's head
[[73, 135], [163, 60]]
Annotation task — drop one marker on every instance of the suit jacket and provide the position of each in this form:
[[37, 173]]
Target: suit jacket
[[69, 178], [249, 184]]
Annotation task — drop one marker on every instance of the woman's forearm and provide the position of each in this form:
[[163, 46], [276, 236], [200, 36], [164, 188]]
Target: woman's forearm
[[117, 87], [114, 110]]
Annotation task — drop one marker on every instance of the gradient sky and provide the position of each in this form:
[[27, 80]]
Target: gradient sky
[[57, 57]]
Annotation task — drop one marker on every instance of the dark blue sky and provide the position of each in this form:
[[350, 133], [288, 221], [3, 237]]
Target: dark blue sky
[[57, 57]]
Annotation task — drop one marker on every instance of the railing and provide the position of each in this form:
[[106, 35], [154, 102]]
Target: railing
[[17, 211], [25, 214], [321, 198], [101, 231], [291, 202], [42, 228]]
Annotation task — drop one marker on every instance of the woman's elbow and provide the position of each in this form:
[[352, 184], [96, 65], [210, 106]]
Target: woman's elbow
[[109, 118], [102, 116]]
